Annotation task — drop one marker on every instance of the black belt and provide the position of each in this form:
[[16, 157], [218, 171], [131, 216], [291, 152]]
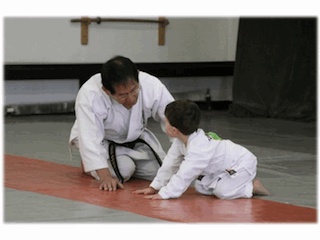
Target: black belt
[[200, 177], [113, 158]]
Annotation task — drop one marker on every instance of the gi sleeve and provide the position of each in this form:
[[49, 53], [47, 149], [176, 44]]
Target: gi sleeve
[[169, 166], [90, 133], [161, 98], [194, 164]]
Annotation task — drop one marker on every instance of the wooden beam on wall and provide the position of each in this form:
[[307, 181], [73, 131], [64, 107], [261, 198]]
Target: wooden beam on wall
[[84, 30], [85, 21]]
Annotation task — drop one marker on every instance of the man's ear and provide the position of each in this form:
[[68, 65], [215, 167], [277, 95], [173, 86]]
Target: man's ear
[[106, 91]]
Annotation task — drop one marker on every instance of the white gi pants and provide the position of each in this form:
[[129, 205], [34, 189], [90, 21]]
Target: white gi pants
[[229, 187], [129, 166]]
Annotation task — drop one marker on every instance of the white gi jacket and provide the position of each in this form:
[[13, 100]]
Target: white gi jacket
[[100, 118], [202, 156]]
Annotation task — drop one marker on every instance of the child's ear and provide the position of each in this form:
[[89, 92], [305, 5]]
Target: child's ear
[[175, 130]]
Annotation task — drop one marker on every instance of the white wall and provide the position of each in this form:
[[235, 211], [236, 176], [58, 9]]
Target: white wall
[[57, 40]]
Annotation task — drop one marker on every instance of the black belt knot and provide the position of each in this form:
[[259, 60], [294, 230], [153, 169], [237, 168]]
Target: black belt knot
[[200, 177], [113, 158]]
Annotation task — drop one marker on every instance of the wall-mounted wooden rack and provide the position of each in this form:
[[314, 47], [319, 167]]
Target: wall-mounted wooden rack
[[85, 21]]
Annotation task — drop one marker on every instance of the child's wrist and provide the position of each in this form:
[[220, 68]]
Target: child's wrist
[[153, 190]]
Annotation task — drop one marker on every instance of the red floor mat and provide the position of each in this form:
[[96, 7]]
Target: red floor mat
[[68, 182]]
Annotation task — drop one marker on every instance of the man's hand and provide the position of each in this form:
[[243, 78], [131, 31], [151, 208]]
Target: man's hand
[[145, 191], [154, 197], [108, 182]]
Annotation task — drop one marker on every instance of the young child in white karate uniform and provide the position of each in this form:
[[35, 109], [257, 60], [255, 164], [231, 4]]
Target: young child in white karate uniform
[[221, 167]]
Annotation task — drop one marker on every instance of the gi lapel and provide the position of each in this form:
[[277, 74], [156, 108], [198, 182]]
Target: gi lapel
[[136, 125]]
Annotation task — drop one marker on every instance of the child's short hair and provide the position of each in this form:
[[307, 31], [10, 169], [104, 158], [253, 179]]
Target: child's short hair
[[184, 115]]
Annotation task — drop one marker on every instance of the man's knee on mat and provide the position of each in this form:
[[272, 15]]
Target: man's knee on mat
[[126, 167]]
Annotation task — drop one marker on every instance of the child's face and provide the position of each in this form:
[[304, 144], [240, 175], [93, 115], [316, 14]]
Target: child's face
[[170, 130]]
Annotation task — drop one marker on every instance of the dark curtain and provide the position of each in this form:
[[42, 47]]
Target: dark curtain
[[275, 69]]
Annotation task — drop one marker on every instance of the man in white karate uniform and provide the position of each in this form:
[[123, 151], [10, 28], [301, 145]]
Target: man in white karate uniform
[[112, 109]]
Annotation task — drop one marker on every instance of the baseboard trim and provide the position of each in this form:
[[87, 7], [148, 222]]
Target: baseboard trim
[[39, 108]]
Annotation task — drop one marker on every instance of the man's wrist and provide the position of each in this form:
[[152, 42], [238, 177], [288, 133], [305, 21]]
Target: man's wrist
[[103, 173]]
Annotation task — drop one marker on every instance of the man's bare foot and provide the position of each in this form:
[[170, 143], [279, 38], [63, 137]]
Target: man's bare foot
[[258, 189]]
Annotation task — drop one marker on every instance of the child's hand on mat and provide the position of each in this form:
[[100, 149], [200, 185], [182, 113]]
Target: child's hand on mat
[[145, 191], [154, 197]]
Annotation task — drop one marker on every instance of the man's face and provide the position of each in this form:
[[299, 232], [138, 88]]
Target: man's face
[[126, 94]]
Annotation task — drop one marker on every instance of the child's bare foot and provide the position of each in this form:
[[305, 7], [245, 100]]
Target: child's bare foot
[[258, 189]]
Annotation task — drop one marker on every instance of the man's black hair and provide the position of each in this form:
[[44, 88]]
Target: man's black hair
[[118, 70]]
